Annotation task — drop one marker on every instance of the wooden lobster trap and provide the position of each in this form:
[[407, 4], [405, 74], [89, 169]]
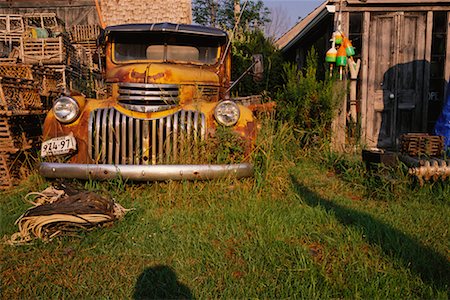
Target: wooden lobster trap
[[45, 50], [20, 132], [81, 34], [19, 96], [11, 27], [421, 144], [6, 181], [15, 167], [48, 21], [18, 71]]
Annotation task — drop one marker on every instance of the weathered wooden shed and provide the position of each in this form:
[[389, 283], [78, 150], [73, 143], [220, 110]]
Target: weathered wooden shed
[[404, 47]]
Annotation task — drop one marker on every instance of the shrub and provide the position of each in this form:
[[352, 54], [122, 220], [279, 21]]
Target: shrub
[[306, 101], [245, 44]]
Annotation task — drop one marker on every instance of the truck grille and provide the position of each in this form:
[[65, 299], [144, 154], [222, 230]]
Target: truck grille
[[115, 138], [145, 97]]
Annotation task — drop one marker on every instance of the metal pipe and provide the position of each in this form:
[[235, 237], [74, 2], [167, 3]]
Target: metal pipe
[[145, 172]]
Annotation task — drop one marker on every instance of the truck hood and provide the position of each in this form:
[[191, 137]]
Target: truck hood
[[162, 73]]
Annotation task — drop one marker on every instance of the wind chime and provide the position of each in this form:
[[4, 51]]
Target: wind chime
[[341, 48]]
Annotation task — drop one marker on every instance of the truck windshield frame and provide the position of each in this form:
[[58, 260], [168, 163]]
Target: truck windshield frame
[[168, 47]]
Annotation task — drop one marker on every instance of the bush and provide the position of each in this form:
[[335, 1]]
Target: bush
[[308, 103], [245, 44]]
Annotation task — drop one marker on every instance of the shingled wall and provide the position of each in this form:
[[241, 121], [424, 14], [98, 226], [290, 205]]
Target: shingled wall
[[150, 11]]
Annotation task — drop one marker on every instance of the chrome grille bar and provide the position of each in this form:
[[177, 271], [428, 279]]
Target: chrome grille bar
[[153, 142], [161, 140], [123, 140], [167, 139], [110, 136], [175, 136], [138, 152], [115, 138], [103, 137], [145, 142], [130, 141], [148, 97]]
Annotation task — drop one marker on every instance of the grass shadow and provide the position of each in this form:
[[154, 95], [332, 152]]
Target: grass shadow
[[431, 266], [160, 282]]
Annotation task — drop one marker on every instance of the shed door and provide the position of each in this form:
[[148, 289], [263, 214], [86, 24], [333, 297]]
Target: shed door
[[396, 76]]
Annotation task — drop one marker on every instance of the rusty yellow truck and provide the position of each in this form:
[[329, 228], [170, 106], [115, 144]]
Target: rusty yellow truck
[[169, 98]]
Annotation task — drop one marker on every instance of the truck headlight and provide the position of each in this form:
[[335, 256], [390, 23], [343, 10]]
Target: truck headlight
[[227, 113], [66, 109]]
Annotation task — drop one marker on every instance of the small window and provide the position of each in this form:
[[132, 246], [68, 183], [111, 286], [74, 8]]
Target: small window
[[155, 52], [182, 53]]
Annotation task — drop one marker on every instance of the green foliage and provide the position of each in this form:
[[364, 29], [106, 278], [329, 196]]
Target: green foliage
[[245, 44], [220, 13], [301, 232], [383, 183], [307, 102], [226, 146]]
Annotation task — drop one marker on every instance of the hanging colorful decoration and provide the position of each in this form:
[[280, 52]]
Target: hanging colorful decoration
[[331, 57], [341, 48]]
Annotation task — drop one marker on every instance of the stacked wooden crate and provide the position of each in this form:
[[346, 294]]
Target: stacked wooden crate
[[421, 144], [84, 39], [38, 62], [21, 112], [11, 34]]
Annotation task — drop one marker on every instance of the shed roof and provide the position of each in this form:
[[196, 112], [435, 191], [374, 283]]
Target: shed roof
[[302, 27]]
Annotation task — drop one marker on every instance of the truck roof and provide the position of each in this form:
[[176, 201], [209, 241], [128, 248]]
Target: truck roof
[[168, 27]]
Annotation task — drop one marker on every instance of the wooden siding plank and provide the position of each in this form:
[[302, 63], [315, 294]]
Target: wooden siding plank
[[427, 69], [383, 2], [339, 131], [396, 8], [364, 74], [447, 57]]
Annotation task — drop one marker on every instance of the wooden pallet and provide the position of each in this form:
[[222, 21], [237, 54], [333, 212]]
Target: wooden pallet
[[84, 33], [44, 51], [418, 144], [6, 181], [11, 26], [18, 95], [42, 20], [6, 138], [18, 71]]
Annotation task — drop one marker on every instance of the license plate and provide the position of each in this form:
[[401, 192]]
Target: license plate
[[58, 146]]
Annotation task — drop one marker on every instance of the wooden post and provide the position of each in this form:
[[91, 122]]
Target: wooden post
[[338, 126], [364, 74], [427, 70], [447, 59], [354, 68]]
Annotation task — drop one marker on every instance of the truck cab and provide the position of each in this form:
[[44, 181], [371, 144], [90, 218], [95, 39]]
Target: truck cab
[[167, 107]]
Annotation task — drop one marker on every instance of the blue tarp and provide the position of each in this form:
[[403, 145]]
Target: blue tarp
[[442, 126]]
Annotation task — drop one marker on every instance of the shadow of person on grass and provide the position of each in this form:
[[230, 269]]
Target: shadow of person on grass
[[160, 282], [430, 265]]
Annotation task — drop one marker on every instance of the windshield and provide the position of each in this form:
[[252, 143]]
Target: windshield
[[165, 48]]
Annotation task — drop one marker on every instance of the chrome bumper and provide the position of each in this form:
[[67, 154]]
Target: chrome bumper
[[145, 172]]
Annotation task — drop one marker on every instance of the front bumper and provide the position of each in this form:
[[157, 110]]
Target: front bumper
[[145, 172]]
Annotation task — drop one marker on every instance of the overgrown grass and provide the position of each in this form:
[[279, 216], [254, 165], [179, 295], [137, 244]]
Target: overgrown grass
[[299, 229]]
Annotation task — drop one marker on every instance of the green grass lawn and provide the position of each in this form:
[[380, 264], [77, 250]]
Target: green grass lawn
[[300, 232]]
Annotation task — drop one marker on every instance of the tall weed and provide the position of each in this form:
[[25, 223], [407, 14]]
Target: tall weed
[[307, 102], [381, 182]]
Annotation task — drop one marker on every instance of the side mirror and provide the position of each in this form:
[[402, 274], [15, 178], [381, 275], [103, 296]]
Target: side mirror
[[258, 67]]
